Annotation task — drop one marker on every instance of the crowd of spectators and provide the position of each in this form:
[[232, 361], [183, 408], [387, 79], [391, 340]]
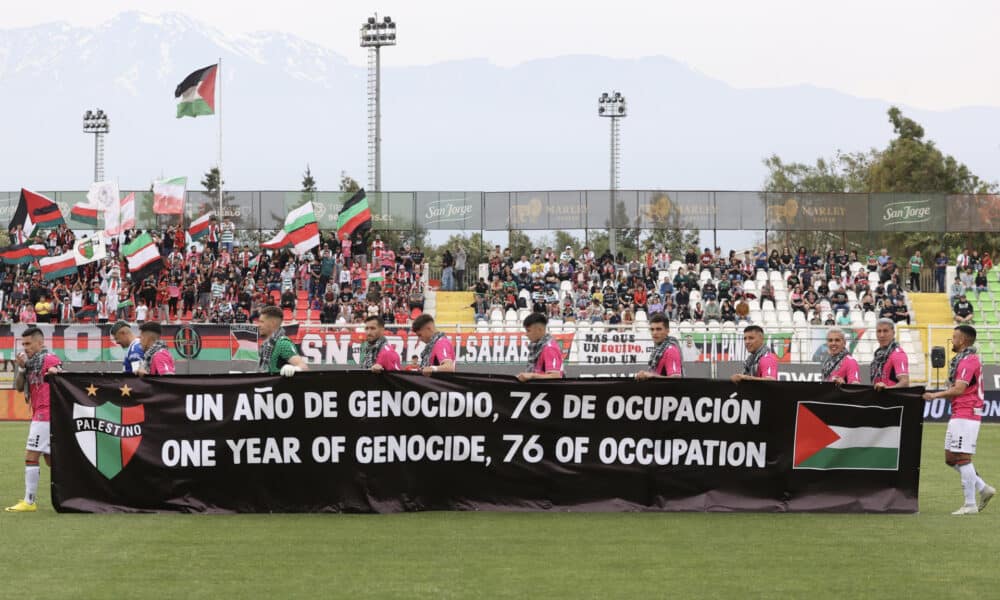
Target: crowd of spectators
[[577, 285], [223, 280], [972, 276]]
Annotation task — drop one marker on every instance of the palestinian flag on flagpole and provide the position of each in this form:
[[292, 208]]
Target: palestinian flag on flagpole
[[22, 254], [168, 196], [84, 214], [199, 227], [62, 265], [376, 276], [143, 257], [35, 211], [354, 216], [300, 231], [197, 93], [847, 436]]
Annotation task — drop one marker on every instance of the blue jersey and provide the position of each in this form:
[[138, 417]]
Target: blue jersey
[[134, 353]]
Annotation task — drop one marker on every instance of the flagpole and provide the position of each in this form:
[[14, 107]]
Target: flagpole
[[219, 113]]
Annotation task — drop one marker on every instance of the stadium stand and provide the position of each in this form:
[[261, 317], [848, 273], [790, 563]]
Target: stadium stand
[[217, 284]]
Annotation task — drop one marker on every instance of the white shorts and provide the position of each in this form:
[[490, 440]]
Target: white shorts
[[961, 436], [38, 437]]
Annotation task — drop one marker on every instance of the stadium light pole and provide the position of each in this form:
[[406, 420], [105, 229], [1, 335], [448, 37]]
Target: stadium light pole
[[376, 33], [612, 105], [97, 123]]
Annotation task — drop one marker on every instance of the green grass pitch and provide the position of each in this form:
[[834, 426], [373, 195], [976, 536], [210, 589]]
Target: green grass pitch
[[491, 555]]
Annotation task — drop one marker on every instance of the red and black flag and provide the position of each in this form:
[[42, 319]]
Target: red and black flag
[[35, 211], [355, 216], [22, 254]]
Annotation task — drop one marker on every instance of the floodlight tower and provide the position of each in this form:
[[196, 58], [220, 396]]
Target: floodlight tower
[[612, 105], [97, 123], [375, 33]]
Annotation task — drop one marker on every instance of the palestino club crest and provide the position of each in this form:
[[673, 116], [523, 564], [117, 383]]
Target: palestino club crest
[[108, 435], [187, 342]]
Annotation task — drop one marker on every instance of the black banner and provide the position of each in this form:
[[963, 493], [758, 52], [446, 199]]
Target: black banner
[[359, 442]]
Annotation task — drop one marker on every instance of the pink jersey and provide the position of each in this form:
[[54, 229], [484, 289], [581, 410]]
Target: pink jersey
[[970, 404], [670, 363], [39, 389], [389, 359], [847, 370], [896, 365], [767, 367], [162, 363], [443, 350], [549, 360]]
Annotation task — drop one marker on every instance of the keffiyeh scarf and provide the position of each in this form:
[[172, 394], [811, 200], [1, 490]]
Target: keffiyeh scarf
[[147, 357], [425, 356], [660, 349], [535, 350], [33, 367], [831, 363], [752, 361], [881, 357], [372, 350], [267, 348], [958, 358]]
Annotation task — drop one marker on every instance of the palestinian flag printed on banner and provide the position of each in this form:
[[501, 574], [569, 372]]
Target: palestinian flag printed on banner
[[847, 436], [168, 196], [197, 93], [199, 227], [84, 214], [244, 343], [143, 257], [354, 216], [62, 265], [22, 254], [301, 231], [108, 435], [35, 211]]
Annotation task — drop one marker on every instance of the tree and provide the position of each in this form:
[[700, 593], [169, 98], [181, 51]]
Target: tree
[[210, 182], [519, 243], [561, 239], [348, 183], [308, 182], [908, 164], [911, 164]]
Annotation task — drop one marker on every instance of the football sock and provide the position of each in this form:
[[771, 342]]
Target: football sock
[[31, 472], [968, 473]]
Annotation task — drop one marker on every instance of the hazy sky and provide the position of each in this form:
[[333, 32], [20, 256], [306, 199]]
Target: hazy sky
[[927, 54]]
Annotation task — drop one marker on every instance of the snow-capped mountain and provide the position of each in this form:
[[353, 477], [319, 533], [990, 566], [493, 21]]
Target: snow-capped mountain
[[456, 125]]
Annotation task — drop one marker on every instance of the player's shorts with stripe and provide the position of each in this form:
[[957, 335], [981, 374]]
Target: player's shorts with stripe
[[38, 437], [961, 436]]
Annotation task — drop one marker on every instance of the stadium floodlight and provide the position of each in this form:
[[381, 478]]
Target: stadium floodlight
[[376, 33], [97, 123], [613, 106]]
